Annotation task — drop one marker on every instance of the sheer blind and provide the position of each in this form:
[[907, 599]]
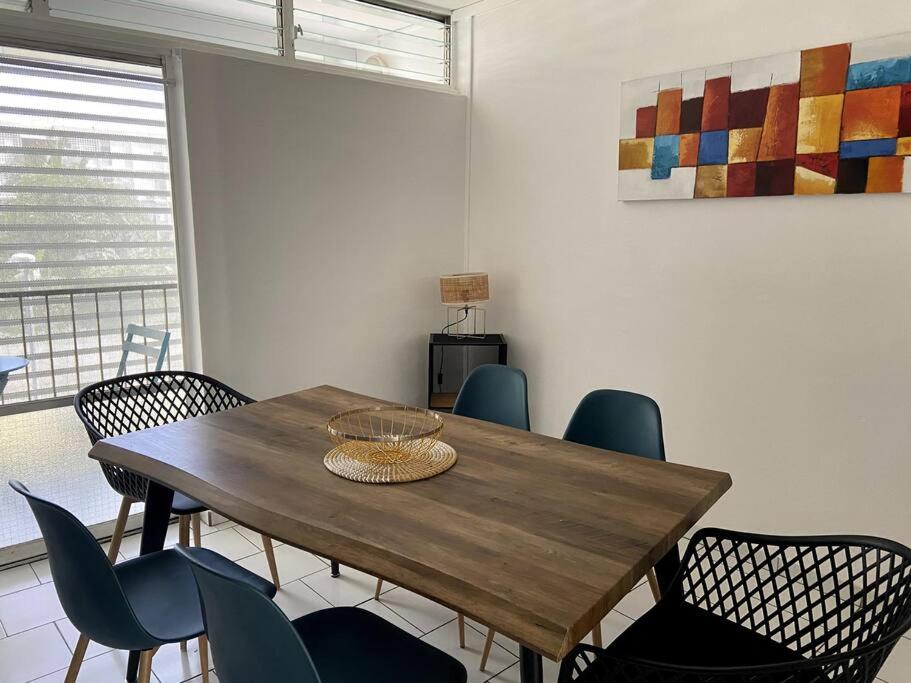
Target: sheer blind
[[247, 24], [368, 37], [87, 240]]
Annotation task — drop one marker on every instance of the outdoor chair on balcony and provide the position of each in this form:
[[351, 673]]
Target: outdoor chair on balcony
[[156, 354], [747, 608], [127, 404]]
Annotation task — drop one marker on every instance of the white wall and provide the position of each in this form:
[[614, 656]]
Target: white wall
[[775, 333], [325, 208]]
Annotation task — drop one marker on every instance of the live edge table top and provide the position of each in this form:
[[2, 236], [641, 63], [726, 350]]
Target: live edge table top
[[534, 536]]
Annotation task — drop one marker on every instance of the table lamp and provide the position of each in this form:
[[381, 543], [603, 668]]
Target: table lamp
[[461, 293]]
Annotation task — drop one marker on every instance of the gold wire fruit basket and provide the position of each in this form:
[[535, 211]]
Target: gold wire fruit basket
[[388, 444]]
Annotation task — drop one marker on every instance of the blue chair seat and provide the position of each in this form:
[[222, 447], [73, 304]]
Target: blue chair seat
[[352, 644], [146, 579], [184, 505]]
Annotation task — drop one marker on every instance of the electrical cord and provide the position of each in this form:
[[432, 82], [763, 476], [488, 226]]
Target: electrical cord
[[443, 348]]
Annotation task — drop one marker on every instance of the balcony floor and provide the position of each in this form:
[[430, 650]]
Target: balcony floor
[[47, 450]]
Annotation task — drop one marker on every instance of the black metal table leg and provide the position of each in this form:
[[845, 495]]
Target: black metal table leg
[[667, 569], [531, 666], [334, 569], [154, 530]]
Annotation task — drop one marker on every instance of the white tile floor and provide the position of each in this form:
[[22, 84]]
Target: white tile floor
[[36, 639]]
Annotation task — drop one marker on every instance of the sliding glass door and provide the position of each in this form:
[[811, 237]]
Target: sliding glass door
[[87, 246]]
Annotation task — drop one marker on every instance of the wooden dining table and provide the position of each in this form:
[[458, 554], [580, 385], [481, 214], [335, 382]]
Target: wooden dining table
[[534, 536]]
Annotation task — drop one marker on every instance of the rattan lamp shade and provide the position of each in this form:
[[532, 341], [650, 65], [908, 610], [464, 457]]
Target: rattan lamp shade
[[464, 289]]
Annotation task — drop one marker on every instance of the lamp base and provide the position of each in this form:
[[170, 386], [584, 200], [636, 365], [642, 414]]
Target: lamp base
[[467, 322]]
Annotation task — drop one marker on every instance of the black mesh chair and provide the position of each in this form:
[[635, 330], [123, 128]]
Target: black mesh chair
[[747, 608], [133, 402]]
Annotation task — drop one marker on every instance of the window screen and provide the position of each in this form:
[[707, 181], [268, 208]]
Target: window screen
[[87, 241]]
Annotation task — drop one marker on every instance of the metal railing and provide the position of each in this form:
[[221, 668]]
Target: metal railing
[[73, 338]]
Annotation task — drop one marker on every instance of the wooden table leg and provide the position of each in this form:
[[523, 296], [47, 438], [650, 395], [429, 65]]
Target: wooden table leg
[[531, 666], [154, 530], [667, 569]]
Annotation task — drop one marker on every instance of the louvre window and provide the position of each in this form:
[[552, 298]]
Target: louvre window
[[372, 38], [87, 241], [247, 24]]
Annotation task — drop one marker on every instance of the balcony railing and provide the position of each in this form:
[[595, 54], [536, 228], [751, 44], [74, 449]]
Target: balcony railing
[[73, 338]]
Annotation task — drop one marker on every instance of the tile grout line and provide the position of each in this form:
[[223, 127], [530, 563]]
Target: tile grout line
[[420, 630], [57, 626]]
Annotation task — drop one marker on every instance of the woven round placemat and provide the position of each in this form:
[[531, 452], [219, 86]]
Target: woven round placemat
[[394, 468]]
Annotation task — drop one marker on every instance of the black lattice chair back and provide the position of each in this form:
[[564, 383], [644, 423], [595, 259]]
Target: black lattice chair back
[[839, 603], [133, 402]]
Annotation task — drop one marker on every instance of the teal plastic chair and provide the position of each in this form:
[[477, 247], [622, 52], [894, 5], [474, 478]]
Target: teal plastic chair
[[495, 393], [335, 645], [624, 422], [618, 421], [148, 350], [140, 604], [492, 393]]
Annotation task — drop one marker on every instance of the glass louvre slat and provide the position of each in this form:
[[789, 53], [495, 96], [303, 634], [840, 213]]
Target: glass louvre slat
[[432, 59], [87, 239], [368, 37], [360, 66], [248, 24]]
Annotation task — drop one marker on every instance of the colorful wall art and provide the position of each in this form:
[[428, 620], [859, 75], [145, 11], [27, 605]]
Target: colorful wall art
[[828, 120]]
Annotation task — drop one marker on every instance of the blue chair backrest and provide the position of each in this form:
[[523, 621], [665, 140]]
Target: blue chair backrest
[[495, 393], [86, 584], [618, 421], [159, 354], [252, 640]]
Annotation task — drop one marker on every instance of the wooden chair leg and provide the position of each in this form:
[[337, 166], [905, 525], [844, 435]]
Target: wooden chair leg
[[183, 530], [486, 653], [145, 666], [197, 531], [461, 620], [119, 527], [653, 584], [183, 538], [76, 661], [379, 589], [270, 559], [204, 657], [597, 639]]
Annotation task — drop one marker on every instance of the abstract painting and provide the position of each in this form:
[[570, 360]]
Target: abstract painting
[[829, 120]]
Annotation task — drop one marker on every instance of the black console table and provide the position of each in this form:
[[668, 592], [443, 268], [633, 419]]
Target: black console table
[[458, 356]]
